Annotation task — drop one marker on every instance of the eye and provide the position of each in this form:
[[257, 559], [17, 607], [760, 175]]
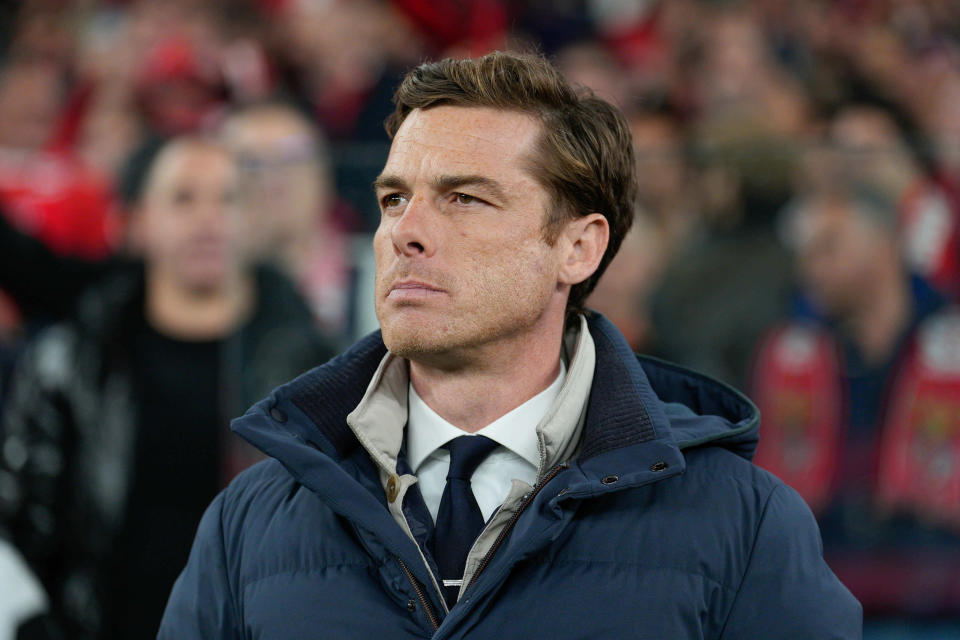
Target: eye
[[391, 200], [466, 198]]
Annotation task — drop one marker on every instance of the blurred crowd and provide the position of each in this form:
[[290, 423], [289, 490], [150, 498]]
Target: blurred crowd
[[186, 210]]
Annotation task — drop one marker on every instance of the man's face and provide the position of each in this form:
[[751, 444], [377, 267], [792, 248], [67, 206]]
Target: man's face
[[284, 191], [461, 258], [189, 225], [660, 171], [838, 251], [869, 145], [29, 106]]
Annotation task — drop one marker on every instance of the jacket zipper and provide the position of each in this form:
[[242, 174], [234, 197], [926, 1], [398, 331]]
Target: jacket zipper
[[421, 595], [513, 520]]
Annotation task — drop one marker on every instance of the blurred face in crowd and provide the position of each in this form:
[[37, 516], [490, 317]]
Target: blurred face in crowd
[[660, 168], [870, 145], [29, 105], [591, 65], [840, 252], [621, 294], [109, 133], [188, 225], [462, 261], [285, 191], [736, 58]]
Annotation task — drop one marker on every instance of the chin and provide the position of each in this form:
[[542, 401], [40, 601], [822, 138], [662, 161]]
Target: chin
[[444, 343], [411, 339]]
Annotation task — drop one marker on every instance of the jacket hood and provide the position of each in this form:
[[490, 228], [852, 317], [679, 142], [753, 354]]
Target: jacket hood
[[702, 410], [640, 408]]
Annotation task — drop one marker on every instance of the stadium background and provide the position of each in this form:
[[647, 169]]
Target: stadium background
[[740, 111]]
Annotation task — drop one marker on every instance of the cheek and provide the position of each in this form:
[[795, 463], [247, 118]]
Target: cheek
[[156, 237], [238, 229], [384, 257], [382, 245], [517, 273]]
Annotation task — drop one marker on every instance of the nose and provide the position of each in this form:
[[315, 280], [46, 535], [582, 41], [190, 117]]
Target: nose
[[413, 232], [213, 214]]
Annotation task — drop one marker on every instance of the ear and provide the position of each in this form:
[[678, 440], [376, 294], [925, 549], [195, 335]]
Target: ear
[[585, 241]]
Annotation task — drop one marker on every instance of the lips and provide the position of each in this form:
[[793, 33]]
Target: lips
[[409, 289]]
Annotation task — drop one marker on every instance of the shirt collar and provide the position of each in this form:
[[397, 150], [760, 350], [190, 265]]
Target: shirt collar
[[516, 430]]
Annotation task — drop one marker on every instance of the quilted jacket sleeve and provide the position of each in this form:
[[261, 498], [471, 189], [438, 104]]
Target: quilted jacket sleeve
[[788, 591], [202, 604]]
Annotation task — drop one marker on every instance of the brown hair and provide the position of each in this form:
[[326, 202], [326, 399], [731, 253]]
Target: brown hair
[[584, 156]]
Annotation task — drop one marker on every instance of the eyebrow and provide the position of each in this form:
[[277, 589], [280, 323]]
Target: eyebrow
[[446, 182], [388, 182]]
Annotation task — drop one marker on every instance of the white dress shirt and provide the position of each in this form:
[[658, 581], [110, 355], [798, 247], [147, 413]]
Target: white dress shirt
[[518, 455]]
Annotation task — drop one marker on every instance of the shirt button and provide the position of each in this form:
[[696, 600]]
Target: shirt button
[[393, 487]]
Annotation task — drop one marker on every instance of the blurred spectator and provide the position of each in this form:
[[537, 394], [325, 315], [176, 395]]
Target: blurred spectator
[[622, 294], [665, 220], [344, 59], [739, 82], [873, 149], [746, 115], [178, 88], [860, 392], [115, 435], [664, 177], [110, 131], [729, 280], [297, 221], [590, 64], [745, 85], [44, 189]]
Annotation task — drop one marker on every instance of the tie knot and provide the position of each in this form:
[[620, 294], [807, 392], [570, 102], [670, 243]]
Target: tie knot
[[466, 454]]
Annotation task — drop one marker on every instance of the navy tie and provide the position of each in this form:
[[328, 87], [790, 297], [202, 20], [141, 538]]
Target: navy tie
[[459, 520]]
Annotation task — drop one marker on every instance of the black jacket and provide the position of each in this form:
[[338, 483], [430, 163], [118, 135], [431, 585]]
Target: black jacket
[[71, 421]]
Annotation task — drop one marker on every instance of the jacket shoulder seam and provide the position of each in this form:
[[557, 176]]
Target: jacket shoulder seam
[[749, 563], [235, 602]]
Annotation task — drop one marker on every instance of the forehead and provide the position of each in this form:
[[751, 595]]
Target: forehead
[[865, 127], [454, 139], [825, 219], [191, 163], [266, 127]]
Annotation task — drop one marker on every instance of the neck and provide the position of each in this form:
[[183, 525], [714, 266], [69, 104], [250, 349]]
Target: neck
[[492, 384], [877, 325], [188, 314]]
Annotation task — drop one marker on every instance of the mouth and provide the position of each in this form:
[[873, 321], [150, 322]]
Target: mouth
[[204, 249], [412, 290]]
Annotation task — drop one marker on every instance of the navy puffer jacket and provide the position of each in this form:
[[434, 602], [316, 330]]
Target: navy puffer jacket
[[660, 529]]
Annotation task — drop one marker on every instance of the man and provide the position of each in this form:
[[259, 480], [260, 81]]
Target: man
[[872, 147], [860, 392], [290, 201], [595, 508], [115, 435]]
